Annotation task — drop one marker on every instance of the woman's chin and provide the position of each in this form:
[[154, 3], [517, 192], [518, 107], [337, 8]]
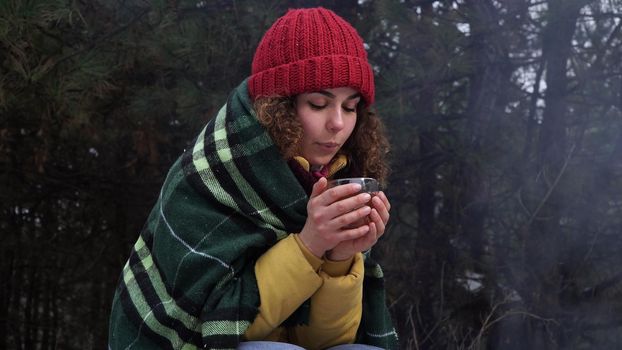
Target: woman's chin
[[319, 160]]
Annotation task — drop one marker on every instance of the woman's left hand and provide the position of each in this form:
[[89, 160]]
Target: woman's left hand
[[378, 219]]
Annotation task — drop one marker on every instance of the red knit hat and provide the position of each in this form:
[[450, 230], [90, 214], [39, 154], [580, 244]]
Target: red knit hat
[[309, 50]]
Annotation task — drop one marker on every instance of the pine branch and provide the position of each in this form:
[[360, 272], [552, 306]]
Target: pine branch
[[103, 39], [597, 290]]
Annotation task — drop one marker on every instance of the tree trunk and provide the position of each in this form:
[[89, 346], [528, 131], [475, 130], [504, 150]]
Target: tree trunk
[[487, 98], [431, 245], [6, 261], [544, 239]]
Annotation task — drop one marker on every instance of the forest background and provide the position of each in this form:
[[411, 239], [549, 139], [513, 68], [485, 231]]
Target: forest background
[[505, 118]]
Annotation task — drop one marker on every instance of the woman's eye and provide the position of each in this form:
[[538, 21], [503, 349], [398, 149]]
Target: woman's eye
[[316, 107], [349, 110]]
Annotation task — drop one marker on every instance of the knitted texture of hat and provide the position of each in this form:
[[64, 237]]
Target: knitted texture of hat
[[309, 50]]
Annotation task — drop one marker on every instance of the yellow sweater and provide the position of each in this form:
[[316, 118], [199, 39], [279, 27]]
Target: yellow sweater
[[288, 274]]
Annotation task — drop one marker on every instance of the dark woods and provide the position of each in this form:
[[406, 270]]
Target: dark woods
[[506, 124]]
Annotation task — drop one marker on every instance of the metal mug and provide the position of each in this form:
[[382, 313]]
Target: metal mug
[[368, 184]]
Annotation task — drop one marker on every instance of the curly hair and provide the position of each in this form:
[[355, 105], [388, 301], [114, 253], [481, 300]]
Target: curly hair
[[366, 148]]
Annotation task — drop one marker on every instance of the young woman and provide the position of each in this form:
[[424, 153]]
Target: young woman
[[247, 247]]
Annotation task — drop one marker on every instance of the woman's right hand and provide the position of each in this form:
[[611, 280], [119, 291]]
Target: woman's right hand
[[330, 212]]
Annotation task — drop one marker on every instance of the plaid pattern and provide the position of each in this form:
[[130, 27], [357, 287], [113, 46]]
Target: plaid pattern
[[189, 282]]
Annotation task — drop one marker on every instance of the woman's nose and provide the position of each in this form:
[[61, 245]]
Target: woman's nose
[[335, 121]]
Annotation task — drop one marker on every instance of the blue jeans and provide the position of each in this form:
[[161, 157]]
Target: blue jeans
[[272, 345]]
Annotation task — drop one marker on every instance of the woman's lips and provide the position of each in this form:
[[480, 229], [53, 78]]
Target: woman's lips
[[330, 146]]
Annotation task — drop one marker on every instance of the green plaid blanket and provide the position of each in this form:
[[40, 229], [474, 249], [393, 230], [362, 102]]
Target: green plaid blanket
[[189, 282]]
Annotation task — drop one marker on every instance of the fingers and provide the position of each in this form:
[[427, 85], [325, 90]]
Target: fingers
[[319, 187], [362, 238], [377, 222], [336, 193], [331, 202], [341, 214], [350, 217], [373, 234], [353, 233], [368, 240], [349, 204], [380, 213], [384, 199], [382, 207]]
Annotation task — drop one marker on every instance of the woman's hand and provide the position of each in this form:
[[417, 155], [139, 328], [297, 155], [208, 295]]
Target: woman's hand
[[378, 219], [330, 212]]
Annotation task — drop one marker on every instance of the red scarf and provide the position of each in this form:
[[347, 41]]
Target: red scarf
[[318, 174]]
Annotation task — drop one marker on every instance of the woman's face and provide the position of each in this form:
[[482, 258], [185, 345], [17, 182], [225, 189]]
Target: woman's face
[[328, 118]]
